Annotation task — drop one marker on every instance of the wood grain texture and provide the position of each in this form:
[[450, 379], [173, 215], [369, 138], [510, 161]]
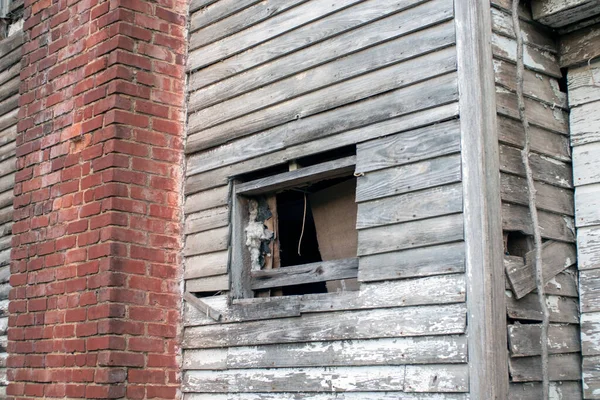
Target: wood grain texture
[[584, 123], [549, 197], [562, 309], [218, 11], [368, 324], [588, 247], [393, 351], [408, 178], [207, 242], [437, 378], [533, 34], [206, 265], [534, 58], [586, 164], [590, 336], [591, 377], [207, 219], [581, 84], [559, 13], [544, 169], [533, 391], [553, 226], [427, 261], [328, 396], [214, 283], [587, 205], [589, 290], [524, 340], [561, 367], [578, 47]]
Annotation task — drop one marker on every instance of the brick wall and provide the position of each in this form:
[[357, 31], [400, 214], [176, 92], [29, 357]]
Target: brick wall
[[95, 304]]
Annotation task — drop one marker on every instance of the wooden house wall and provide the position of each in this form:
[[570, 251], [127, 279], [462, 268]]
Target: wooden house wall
[[584, 99], [547, 111], [10, 57], [273, 81]]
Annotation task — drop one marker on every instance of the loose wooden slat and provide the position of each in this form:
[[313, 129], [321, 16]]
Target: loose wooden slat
[[533, 35], [207, 242], [235, 23], [552, 226], [564, 284], [589, 290], [587, 202], [408, 178], [341, 33], [431, 93], [408, 147], [585, 123], [328, 396], [208, 284], [588, 247], [346, 94], [558, 13], [202, 306], [395, 351], [434, 260], [423, 204], [264, 31], [307, 273], [533, 391], [539, 114], [586, 164], [334, 379], [549, 197], [579, 47], [249, 96], [536, 86], [206, 265], [545, 142], [561, 367], [562, 309], [524, 340], [437, 378], [408, 235], [534, 58], [389, 322], [556, 257], [406, 122], [310, 174]]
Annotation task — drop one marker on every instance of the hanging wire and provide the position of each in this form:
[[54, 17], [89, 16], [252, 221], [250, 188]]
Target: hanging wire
[[303, 224]]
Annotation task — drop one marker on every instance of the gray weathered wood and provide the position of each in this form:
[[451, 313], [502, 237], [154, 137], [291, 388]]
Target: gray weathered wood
[[423, 204], [591, 377], [207, 219], [559, 13], [581, 85], [564, 284], [403, 123], [584, 123], [561, 367], [586, 164], [239, 260], [208, 284], [553, 226], [433, 92], [549, 197], [524, 340], [408, 235], [237, 22], [534, 58], [330, 38], [533, 35], [556, 257], [578, 47], [539, 114], [307, 273], [395, 351], [202, 306], [590, 336], [195, 5], [408, 178], [11, 43], [367, 324], [588, 247], [332, 379], [206, 265], [207, 241], [434, 260], [589, 290], [437, 378], [562, 309], [216, 106], [328, 396], [587, 203], [533, 391], [409, 147], [214, 197], [218, 11], [310, 174]]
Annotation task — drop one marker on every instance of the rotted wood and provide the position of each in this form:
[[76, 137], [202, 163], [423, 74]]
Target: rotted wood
[[533, 391], [578, 47], [553, 226], [364, 324], [556, 257], [427, 261], [524, 340], [202, 306], [562, 309], [559, 13], [416, 119], [307, 273], [306, 175], [395, 351], [561, 367]]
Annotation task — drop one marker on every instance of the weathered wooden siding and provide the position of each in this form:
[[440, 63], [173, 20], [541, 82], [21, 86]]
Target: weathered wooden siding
[[584, 99], [10, 57], [547, 111], [272, 81]]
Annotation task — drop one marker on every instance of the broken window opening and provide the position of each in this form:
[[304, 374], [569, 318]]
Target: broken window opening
[[299, 236]]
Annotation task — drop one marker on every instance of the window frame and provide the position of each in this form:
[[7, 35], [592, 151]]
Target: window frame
[[241, 276]]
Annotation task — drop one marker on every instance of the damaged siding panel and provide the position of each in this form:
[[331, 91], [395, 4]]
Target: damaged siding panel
[[328, 396]]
